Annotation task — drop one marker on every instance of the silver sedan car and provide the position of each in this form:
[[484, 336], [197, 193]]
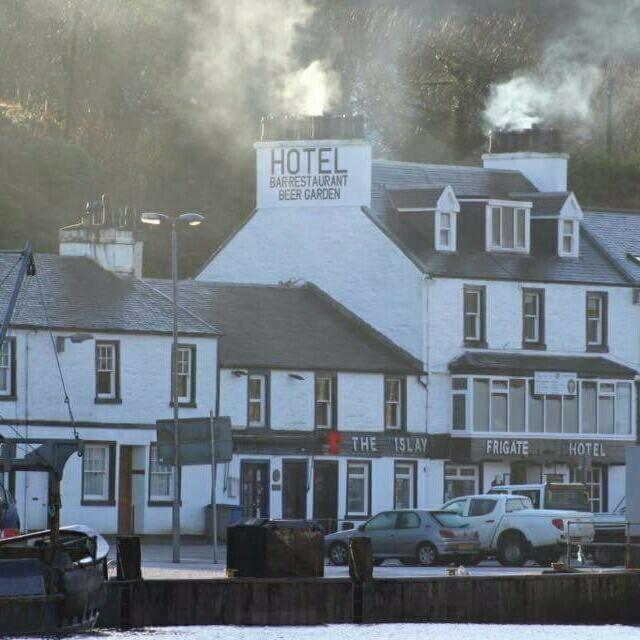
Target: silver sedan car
[[413, 536]]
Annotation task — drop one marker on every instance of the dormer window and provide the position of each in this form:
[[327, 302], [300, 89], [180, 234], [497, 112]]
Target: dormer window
[[507, 228], [568, 238], [445, 231]]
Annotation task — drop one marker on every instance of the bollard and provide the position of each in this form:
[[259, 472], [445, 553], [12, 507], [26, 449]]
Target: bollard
[[360, 559], [129, 558]]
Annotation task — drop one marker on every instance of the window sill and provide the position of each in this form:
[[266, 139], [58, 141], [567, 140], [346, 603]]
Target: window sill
[[534, 346], [11, 398], [476, 344], [161, 503], [98, 503], [401, 429], [108, 401], [185, 405], [597, 348]]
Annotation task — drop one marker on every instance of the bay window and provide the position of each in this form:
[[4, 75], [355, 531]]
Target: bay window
[[501, 405], [460, 480]]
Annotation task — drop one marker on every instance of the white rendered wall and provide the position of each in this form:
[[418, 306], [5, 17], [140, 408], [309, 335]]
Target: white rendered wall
[[342, 251]]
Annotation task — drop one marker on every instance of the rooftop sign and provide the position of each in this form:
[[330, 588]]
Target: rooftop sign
[[316, 173]]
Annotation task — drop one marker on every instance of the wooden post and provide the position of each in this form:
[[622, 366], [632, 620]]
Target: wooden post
[[129, 558], [360, 559]]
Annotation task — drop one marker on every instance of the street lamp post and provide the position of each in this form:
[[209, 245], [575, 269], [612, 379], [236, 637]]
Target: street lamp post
[[192, 219]]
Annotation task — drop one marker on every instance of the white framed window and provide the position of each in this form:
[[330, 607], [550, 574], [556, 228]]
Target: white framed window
[[6, 367], [185, 378], [95, 472], [404, 485], [393, 403], [532, 317], [507, 228], [596, 320], [325, 392], [358, 483], [593, 480], [459, 418], [568, 238], [474, 314], [460, 480], [160, 477], [107, 382], [445, 231], [257, 400], [498, 404]]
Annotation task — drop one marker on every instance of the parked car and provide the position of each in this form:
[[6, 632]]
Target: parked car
[[9, 519], [514, 532], [413, 536], [570, 496]]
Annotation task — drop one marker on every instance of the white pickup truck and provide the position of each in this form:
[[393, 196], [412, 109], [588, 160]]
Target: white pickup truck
[[510, 529]]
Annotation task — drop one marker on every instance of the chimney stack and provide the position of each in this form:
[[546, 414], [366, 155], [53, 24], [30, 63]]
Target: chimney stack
[[535, 152], [313, 161], [109, 238]]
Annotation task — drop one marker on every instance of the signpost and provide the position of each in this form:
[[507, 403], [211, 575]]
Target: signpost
[[202, 441]]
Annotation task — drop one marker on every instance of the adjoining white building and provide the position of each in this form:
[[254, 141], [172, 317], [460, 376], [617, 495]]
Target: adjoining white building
[[328, 415], [112, 337], [526, 323]]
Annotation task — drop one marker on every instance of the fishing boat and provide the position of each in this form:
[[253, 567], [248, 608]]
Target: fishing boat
[[53, 581]]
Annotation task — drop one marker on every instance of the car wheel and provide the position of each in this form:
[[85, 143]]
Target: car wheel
[[513, 550], [338, 554], [426, 555]]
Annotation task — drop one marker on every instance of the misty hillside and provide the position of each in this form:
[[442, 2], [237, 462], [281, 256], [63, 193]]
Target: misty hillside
[[158, 102]]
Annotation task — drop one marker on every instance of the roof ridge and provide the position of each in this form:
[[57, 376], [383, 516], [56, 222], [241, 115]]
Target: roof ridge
[[445, 166], [228, 283]]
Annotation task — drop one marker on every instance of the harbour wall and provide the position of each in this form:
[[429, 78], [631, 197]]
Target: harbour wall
[[602, 598]]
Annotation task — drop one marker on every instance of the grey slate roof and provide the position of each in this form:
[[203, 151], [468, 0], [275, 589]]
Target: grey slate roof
[[487, 362], [411, 198], [594, 265], [297, 327], [544, 204], [80, 295], [619, 233]]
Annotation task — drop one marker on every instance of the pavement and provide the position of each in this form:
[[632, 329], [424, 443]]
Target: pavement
[[197, 563]]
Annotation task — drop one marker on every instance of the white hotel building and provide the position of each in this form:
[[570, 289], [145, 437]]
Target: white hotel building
[[382, 334], [521, 308]]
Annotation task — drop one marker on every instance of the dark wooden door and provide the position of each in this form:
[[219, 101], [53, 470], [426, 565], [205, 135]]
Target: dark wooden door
[[325, 494], [294, 489], [125, 499], [254, 489]]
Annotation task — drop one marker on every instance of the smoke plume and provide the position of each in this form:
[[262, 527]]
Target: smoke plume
[[244, 59], [573, 66]]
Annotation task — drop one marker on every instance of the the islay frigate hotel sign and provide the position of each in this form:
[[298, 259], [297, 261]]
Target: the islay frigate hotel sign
[[315, 161]]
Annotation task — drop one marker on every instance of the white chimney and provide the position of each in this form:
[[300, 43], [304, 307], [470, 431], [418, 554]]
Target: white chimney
[[534, 152], [313, 161], [110, 240]]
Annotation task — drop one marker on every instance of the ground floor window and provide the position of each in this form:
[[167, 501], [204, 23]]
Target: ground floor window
[[96, 470], [404, 485], [594, 481], [460, 480], [358, 488], [160, 477]]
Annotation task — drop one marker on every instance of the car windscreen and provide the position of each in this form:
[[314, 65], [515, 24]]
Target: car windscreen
[[448, 519], [568, 497]]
